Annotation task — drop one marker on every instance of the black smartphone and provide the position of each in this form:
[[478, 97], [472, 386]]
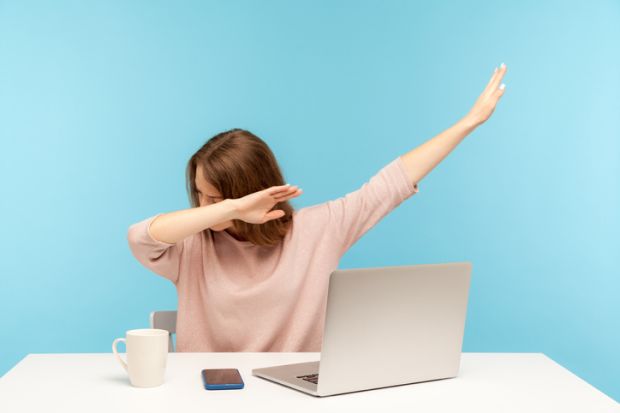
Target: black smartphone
[[222, 379]]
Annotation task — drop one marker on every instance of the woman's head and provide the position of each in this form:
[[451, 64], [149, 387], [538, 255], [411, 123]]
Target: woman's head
[[231, 165]]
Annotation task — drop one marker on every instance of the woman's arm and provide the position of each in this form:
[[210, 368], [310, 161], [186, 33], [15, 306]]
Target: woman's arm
[[423, 159], [175, 226], [255, 208]]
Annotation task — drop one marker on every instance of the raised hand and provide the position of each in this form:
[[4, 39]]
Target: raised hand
[[485, 105], [256, 208]]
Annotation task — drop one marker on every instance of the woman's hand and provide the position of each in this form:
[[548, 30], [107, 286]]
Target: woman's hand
[[485, 105], [255, 208]]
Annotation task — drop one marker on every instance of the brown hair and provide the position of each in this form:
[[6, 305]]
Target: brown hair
[[237, 163]]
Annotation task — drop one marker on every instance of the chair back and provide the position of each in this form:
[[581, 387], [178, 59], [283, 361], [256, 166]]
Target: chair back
[[165, 320]]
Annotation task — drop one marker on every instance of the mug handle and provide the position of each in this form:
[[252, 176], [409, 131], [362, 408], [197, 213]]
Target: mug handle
[[118, 357]]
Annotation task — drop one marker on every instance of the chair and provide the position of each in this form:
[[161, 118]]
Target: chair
[[165, 320]]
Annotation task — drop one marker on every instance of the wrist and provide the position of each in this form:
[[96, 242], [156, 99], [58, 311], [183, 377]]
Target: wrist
[[469, 122], [231, 208]]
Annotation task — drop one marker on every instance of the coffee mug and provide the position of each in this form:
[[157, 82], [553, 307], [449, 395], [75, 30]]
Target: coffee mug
[[147, 352]]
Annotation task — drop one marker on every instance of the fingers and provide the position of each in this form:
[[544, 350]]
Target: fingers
[[275, 214], [488, 86], [500, 91], [280, 188], [498, 77], [288, 195]]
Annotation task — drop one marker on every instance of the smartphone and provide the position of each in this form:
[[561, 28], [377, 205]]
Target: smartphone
[[222, 379]]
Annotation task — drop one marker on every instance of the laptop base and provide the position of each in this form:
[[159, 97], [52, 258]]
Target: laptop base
[[287, 375]]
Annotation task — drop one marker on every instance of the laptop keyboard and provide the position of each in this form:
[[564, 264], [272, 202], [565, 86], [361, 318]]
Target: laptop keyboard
[[312, 378]]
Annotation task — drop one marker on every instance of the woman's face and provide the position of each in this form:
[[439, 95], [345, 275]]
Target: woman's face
[[208, 195]]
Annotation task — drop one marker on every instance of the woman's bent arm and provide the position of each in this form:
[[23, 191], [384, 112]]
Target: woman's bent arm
[[175, 226]]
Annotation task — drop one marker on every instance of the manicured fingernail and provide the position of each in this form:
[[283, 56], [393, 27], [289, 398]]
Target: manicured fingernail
[[502, 86], [502, 65]]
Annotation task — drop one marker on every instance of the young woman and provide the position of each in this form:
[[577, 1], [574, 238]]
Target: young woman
[[251, 273]]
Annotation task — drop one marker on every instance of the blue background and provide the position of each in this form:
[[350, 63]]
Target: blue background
[[103, 103]]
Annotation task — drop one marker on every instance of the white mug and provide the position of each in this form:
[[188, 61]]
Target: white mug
[[147, 353]]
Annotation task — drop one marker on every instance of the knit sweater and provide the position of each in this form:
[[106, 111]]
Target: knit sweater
[[237, 296]]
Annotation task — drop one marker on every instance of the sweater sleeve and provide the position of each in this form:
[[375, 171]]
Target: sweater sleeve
[[158, 256], [352, 215]]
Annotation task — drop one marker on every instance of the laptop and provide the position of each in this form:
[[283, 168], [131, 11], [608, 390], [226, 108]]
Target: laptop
[[385, 327]]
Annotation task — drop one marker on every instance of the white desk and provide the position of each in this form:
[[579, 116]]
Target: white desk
[[487, 382]]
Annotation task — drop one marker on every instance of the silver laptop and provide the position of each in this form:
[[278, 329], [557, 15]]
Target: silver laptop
[[385, 327]]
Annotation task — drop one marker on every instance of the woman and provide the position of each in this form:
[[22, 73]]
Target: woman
[[253, 278]]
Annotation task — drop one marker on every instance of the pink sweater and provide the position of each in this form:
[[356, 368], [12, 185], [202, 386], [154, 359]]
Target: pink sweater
[[236, 296]]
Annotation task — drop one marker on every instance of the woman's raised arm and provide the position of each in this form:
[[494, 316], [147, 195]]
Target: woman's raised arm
[[423, 159]]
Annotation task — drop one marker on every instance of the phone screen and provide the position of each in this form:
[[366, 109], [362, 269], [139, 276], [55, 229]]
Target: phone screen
[[222, 376]]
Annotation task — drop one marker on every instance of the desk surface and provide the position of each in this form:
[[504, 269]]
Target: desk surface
[[487, 382]]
